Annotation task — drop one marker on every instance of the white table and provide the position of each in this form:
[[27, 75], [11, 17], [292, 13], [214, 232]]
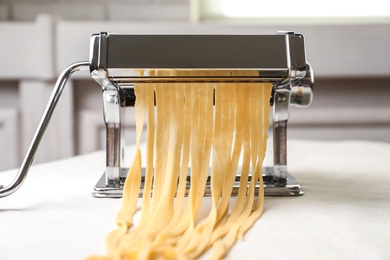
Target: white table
[[344, 213]]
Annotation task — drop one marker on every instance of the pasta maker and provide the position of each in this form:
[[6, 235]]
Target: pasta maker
[[278, 58]]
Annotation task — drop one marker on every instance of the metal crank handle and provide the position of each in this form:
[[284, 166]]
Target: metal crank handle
[[30, 155]]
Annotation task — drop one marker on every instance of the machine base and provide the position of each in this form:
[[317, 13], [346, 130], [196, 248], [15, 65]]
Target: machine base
[[271, 188]]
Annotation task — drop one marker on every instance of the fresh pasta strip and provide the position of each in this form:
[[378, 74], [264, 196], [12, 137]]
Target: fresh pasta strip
[[207, 128]]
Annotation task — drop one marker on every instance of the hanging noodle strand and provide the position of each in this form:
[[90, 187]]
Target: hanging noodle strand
[[207, 128]]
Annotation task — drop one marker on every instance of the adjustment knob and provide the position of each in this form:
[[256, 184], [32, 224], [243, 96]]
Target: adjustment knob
[[302, 90]]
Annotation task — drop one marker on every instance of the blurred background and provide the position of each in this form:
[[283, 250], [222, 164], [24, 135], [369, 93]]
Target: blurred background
[[347, 45]]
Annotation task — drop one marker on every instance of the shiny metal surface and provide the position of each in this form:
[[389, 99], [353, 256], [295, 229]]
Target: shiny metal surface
[[280, 116], [29, 157], [112, 119], [291, 187], [203, 51], [117, 57], [280, 59], [302, 90]]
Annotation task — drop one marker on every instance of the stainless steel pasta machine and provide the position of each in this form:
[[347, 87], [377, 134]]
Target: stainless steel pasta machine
[[114, 60]]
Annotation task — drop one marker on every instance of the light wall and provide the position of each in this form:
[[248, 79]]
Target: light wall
[[95, 10]]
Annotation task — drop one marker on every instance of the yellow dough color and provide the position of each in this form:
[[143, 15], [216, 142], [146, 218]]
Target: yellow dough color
[[214, 129]]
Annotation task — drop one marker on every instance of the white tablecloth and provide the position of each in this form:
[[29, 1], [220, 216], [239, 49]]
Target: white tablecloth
[[344, 213]]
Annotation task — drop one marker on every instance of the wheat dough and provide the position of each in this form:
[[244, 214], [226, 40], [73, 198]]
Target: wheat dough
[[206, 127]]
